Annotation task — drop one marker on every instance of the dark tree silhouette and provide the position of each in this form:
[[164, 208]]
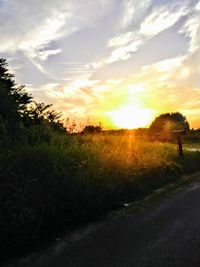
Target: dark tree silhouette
[[13, 99], [18, 110], [92, 129], [39, 113], [164, 125]]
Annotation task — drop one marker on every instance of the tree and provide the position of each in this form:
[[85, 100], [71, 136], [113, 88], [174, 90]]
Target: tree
[[39, 113], [92, 129], [13, 99], [18, 110], [163, 126]]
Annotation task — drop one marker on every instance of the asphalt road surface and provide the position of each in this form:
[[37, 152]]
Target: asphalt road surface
[[166, 234]]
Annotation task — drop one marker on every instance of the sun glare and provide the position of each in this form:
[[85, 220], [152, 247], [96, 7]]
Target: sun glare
[[130, 117]]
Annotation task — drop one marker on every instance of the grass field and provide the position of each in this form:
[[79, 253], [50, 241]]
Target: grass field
[[47, 188]]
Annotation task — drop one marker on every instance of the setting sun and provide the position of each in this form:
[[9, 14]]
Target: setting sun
[[131, 116]]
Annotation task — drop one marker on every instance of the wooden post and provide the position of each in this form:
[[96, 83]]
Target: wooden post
[[180, 146], [178, 135]]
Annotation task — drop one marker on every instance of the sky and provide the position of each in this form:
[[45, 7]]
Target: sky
[[118, 62]]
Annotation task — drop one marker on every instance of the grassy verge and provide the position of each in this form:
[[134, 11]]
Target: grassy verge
[[48, 188]]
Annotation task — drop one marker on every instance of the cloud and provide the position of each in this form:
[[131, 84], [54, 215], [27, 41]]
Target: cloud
[[81, 98], [121, 39], [38, 24], [43, 55], [197, 7], [133, 10], [191, 28], [35, 25], [37, 40], [125, 52], [160, 19]]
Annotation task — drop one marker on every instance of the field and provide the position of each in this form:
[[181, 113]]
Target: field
[[48, 188]]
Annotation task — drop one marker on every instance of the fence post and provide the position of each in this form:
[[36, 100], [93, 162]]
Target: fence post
[[178, 135]]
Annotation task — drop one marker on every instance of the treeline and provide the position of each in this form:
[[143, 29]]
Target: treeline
[[21, 117], [163, 128]]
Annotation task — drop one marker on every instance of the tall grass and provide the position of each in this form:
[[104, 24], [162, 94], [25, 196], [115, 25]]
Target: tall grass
[[48, 187]]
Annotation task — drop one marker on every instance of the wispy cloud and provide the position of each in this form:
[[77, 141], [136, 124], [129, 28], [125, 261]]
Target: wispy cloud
[[191, 28], [121, 39], [133, 11], [159, 20], [125, 52], [38, 24], [44, 54]]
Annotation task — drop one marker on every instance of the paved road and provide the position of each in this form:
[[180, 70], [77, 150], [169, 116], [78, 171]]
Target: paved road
[[166, 234]]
